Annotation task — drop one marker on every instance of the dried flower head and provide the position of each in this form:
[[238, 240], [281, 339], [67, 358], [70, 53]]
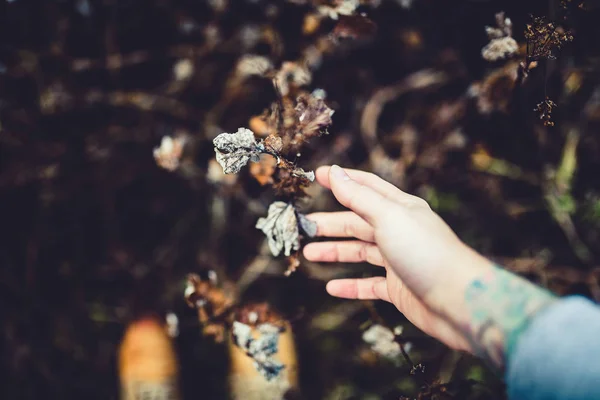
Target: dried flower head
[[501, 45], [281, 226], [382, 341], [544, 38], [291, 74], [337, 8], [261, 349], [498, 49], [234, 150], [251, 64], [545, 109], [168, 155], [314, 116]]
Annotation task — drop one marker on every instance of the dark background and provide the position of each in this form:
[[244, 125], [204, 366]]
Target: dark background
[[94, 234]]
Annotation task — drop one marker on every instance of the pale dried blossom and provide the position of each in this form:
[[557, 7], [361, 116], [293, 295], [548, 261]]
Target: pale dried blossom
[[261, 349], [281, 226], [314, 116], [183, 69], [499, 49], [292, 74], [234, 150], [168, 155], [382, 341], [252, 64], [501, 45], [301, 173], [339, 7]]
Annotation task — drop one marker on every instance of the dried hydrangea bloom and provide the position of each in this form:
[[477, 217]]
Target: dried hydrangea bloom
[[168, 155], [314, 116], [281, 226], [234, 150], [291, 74], [261, 349], [382, 341], [499, 49], [251, 64], [501, 45], [339, 7]]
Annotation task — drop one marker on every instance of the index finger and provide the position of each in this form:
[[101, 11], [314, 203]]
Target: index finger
[[369, 204]]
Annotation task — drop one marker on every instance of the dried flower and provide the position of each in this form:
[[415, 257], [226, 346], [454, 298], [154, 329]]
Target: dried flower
[[234, 150], [314, 116], [291, 74], [251, 64], [261, 349], [502, 44], [281, 228], [339, 7], [544, 38], [545, 109], [498, 49], [301, 173], [168, 155], [382, 341]]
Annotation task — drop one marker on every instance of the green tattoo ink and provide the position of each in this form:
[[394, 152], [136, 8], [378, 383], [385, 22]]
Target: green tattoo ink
[[501, 305]]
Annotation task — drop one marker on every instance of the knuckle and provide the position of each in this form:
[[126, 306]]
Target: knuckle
[[348, 228]]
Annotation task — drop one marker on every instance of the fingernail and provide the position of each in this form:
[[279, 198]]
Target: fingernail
[[338, 173]]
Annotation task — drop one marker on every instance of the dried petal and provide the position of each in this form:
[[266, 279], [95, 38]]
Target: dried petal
[[308, 175], [281, 228], [234, 150], [314, 116]]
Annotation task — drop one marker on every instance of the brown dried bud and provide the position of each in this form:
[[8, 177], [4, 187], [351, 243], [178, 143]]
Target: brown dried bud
[[273, 144]]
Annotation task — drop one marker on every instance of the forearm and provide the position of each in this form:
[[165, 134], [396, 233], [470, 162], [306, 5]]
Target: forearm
[[491, 307]]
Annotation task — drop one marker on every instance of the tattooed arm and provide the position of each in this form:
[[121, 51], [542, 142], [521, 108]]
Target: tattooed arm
[[456, 295], [441, 285], [500, 306]]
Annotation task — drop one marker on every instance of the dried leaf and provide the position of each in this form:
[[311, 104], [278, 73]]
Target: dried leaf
[[234, 150], [281, 228]]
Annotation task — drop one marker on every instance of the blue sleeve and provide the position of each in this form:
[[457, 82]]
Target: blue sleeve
[[558, 354]]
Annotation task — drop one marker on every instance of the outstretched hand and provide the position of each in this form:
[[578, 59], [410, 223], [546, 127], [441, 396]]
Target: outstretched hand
[[426, 264]]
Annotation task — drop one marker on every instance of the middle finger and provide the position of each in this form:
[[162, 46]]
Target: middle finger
[[342, 224]]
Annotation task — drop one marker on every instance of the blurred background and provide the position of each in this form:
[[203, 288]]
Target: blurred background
[[96, 234]]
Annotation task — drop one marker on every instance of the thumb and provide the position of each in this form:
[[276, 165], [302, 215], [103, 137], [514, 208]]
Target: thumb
[[361, 199]]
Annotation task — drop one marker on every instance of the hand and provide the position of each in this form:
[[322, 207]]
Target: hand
[[427, 266]]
